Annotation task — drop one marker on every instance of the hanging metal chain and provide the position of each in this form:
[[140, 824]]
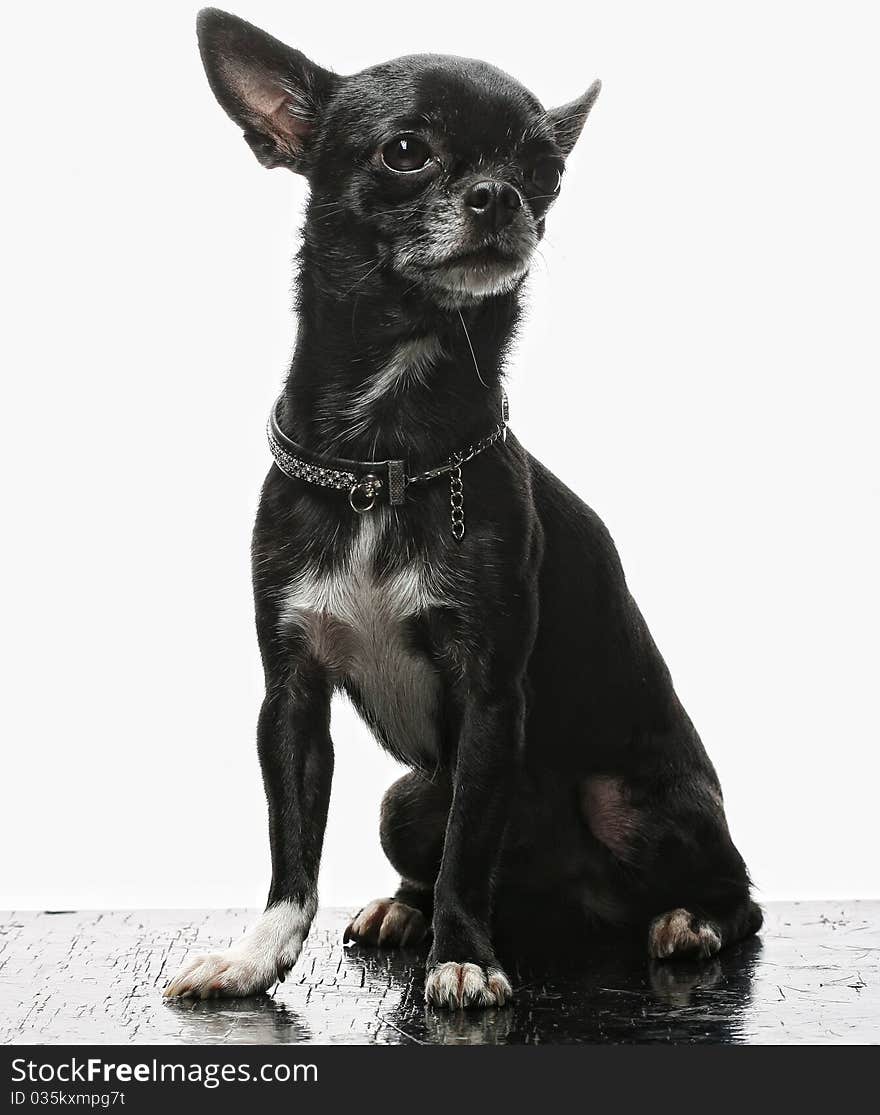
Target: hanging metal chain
[[456, 499], [453, 467]]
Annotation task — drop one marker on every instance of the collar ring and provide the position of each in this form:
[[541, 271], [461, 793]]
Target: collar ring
[[362, 494]]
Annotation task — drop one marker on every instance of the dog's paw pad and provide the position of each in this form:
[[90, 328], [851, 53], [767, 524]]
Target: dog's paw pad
[[681, 933], [455, 985], [389, 924], [227, 973]]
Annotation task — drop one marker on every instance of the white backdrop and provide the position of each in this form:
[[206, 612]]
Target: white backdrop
[[699, 362]]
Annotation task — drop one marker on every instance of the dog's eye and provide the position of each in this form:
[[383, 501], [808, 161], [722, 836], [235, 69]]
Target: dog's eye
[[546, 177], [406, 153]]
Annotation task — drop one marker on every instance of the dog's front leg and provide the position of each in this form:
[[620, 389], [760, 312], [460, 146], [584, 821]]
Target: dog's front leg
[[296, 755], [462, 969]]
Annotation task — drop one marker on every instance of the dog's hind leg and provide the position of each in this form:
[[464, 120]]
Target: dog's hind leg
[[700, 887], [686, 933], [412, 827], [680, 874]]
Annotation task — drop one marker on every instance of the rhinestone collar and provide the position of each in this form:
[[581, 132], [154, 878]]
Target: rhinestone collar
[[366, 481]]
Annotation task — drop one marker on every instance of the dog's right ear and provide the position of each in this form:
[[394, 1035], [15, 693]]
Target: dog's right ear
[[274, 93]]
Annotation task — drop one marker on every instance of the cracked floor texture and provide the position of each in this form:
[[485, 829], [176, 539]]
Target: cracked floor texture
[[813, 976]]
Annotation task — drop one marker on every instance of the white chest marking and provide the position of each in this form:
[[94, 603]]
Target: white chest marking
[[355, 620]]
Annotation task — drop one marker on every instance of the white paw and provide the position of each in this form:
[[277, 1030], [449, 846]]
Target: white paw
[[261, 957], [467, 985], [681, 933], [389, 924], [234, 972]]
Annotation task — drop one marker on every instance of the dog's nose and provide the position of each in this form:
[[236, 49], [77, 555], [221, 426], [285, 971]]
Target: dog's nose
[[493, 204]]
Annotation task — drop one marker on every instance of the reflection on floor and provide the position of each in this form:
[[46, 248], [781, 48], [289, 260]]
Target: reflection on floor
[[812, 976]]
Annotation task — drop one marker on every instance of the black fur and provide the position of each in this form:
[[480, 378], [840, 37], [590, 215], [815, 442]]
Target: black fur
[[564, 770]]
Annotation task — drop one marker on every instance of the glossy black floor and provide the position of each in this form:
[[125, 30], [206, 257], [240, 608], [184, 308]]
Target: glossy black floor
[[812, 977]]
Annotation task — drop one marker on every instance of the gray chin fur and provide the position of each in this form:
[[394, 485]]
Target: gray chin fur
[[455, 283], [469, 282]]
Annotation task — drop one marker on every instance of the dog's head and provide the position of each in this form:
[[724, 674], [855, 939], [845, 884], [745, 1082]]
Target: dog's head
[[440, 169]]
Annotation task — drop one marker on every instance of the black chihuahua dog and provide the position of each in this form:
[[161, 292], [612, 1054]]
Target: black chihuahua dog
[[409, 551]]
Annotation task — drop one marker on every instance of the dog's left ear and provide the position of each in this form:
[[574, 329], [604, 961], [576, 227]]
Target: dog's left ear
[[274, 93], [568, 120]]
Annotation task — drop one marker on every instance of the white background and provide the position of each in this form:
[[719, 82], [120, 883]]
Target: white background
[[699, 362]]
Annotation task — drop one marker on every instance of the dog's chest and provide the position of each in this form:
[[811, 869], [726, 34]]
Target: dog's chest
[[357, 618]]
